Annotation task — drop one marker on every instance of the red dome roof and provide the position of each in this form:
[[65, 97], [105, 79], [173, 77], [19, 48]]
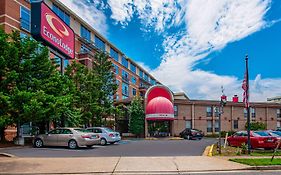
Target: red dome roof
[[160, 105]]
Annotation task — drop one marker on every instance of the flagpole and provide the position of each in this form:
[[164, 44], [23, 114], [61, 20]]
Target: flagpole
[[248, 108]]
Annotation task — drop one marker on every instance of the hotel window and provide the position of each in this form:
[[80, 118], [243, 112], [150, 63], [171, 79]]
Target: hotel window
[[235, 124], [124, 62], [209, 126], [117, 82], [133, 68], [278, 124], [117, 97], [125, 75], [217, 111], [145, 77], [64, 16], [217, 125], [153, 82], [134, 92], [209, 111], [253, 113], [278, 113], [115, 69], [100, 43], [245, 113], [114, 54], [141, 73], [188, 124], [23, 35], [125, 89], [84, 49], [134, 80], [65, 63], [175, 110], [85, 33], [25, 18]]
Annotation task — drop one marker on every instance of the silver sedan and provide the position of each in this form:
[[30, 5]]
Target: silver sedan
[[70, 137]]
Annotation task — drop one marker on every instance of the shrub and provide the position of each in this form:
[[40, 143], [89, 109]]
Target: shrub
[[256, 126]]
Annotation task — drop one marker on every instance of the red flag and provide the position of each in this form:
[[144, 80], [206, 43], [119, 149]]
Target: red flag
[[245, 86]]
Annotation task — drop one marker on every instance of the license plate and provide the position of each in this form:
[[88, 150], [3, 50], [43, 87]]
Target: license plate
[[270, 140]]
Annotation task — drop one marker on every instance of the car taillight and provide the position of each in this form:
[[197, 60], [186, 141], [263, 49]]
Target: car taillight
[[86, 136], [111, 135]]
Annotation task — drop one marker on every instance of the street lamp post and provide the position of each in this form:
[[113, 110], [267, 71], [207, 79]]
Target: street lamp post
[[222, 104]]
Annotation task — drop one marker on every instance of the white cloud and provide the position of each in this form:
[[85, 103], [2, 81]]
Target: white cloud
[[210, 26], [144, 66], [159, 14], [89, 13]]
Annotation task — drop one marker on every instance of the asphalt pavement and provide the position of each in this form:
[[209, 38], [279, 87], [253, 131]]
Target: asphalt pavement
[[135, 148]]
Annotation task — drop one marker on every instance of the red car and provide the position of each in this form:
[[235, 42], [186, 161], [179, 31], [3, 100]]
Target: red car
[[259, 139]]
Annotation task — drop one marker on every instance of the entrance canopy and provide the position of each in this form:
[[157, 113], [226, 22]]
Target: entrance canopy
[[159, 103]]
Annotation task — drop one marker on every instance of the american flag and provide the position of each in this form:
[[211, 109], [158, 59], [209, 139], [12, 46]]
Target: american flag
[[245, 86]]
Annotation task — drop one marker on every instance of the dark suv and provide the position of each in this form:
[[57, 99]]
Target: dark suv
[[191, 134]]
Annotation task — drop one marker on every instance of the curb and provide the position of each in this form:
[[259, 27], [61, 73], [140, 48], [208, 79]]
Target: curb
[[206, 151], [272, 167], [151, 138], [176, 138], [6, 155], [210, 152]]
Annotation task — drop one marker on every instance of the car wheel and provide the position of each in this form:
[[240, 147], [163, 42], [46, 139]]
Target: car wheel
[[72, 144], [103, 142], [38, 143]]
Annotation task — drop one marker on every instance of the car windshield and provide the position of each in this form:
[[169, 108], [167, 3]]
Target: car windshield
[[276, 133], [261, 133], [81, 130], [195, 130], [108, 130]]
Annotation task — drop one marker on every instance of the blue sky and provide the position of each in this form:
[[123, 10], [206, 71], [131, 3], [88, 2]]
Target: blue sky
[[195, 46]]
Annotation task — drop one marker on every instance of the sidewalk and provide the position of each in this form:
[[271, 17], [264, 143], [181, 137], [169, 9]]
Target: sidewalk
[[116, 165]]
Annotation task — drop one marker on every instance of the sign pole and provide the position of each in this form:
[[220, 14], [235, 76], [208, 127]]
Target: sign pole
[[248, 108]]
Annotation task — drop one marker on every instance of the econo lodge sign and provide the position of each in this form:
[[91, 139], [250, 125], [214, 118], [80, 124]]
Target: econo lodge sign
[[47, 27]]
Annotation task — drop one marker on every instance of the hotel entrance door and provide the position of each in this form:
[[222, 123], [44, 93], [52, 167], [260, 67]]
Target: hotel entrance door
[[159, 128]]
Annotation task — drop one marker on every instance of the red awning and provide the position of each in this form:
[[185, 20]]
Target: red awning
[[159, 108]]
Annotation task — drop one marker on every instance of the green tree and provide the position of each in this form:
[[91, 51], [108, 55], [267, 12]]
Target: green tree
[[106, 87], [36, 91], [256, 126], [137, 116]]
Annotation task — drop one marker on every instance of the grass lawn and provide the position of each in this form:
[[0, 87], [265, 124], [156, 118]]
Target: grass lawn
[[265, 153], [258, 162]]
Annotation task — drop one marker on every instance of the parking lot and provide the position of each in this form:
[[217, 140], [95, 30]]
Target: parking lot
[[123, 148]]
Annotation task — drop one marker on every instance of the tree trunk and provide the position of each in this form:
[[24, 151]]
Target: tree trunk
[[18, 129], [2, 134]]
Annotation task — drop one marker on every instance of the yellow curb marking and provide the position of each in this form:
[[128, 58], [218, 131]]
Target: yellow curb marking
[[211, 151]]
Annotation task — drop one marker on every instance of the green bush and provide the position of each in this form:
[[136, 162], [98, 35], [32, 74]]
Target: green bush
[[223, 133], [256, 126]]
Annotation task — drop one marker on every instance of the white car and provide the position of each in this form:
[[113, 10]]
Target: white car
[[106, 135]]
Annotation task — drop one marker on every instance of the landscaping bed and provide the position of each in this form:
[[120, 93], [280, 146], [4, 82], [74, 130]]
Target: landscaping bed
[[236, 151]]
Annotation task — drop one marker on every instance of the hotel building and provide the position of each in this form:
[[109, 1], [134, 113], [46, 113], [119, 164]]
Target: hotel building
[[133, 80]]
